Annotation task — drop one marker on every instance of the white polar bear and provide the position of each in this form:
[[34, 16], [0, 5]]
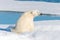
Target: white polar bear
[[25, 22]]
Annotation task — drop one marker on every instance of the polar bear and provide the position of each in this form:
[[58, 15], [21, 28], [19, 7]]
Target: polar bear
[[25, 22]]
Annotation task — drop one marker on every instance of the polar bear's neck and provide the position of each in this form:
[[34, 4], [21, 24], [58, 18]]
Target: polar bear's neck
[[29, 16]]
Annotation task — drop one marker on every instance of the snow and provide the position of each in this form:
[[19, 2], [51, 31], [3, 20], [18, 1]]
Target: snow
[[48, 25], [12, 36], [44, 30]]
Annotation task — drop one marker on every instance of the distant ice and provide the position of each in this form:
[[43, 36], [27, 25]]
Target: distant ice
[[45, 7]]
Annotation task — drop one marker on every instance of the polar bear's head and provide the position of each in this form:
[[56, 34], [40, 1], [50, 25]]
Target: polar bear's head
[[33, 12]]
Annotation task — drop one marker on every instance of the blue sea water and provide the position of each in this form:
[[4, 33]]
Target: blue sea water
[[11, 17]]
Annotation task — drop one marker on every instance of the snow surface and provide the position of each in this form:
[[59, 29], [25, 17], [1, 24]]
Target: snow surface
[[44, 30]]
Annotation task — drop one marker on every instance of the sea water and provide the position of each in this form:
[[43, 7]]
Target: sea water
[[10, 17]]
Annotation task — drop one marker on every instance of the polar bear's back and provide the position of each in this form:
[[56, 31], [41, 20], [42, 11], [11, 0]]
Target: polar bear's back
[[25, 23]]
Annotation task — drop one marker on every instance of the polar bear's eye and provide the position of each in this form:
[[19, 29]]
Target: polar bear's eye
[[31, 13]]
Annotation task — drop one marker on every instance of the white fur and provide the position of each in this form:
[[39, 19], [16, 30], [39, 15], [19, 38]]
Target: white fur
[[25, 22]]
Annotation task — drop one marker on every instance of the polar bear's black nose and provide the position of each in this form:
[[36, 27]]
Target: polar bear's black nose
[[44, 14], [41, 14]]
